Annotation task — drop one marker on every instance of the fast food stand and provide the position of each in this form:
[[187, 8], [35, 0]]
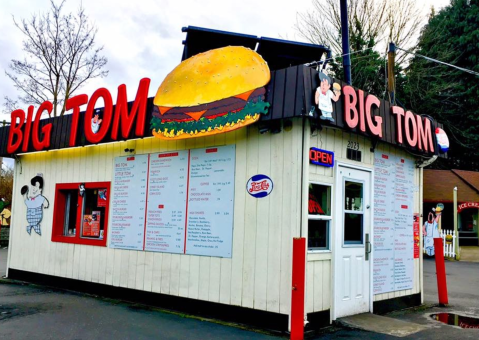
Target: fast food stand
[[208, 221]]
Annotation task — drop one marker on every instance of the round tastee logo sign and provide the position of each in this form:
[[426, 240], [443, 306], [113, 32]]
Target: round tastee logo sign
[[442, 140], [259, 186]]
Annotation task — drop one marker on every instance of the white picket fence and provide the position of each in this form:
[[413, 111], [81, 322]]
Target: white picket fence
[[449, 247]]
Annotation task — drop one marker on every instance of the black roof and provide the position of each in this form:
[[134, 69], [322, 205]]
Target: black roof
[[278, 53]]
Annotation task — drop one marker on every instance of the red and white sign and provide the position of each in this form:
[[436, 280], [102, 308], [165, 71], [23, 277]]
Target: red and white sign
[[121, 120], [467, 205], [101, 198], [412, 129], [416, 235], [259, 186], [442, 140]]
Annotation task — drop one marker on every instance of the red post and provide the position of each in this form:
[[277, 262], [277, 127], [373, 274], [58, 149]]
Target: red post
[[297, 296], [440, 271]]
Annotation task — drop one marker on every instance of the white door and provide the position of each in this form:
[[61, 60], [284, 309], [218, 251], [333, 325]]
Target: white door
[[352, 258]]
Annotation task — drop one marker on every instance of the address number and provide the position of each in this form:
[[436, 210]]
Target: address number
[[353, 145]]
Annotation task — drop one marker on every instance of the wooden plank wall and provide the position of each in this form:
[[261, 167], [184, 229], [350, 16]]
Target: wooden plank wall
[[318, 268], [257, 276]]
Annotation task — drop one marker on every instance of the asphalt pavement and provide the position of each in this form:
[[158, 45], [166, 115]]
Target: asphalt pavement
[[33, 312], [462, 282], [36, 312]]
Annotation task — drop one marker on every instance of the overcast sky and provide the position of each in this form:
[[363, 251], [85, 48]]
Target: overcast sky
[[143, 38]]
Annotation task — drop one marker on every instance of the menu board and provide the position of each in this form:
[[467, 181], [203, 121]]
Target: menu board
[[188, 196], [167, 185], [393, 223], [128, 202], [210, 201]]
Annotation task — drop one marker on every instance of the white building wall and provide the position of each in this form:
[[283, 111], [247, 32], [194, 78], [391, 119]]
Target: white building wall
[[318, 268], [258, 275]]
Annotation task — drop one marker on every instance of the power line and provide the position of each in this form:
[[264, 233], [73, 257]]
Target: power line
[[440, 62], [316, 63]]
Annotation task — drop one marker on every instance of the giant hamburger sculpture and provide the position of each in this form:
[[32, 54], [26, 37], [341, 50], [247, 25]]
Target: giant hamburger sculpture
[[213, 92]]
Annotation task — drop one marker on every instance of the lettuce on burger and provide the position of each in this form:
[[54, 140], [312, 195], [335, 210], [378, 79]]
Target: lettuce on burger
[[213, 92]]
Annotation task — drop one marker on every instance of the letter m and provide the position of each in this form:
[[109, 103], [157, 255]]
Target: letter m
[[424, 134], [137, 112]]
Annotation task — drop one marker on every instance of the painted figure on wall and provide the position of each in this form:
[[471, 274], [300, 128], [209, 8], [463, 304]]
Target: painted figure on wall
[[324, 96], [35, 202]]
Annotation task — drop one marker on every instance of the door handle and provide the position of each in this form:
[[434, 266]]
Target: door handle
[[367, 248]]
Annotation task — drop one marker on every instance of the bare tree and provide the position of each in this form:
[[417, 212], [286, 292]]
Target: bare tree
[[9, 105], [60, 57], [380, 21]]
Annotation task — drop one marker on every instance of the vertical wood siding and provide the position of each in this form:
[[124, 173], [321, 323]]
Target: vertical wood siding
[[258, 275], [318, 268]]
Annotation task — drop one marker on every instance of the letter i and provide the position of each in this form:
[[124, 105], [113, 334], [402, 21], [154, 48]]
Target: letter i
[[28, 127]]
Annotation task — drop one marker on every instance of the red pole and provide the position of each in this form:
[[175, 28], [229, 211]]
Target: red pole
[[440, 271], [297, 296]]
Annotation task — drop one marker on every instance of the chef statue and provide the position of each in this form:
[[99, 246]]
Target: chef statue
[[35, 202], [324, 96]]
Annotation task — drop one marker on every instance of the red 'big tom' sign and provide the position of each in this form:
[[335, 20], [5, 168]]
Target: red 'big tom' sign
[[19, 136]]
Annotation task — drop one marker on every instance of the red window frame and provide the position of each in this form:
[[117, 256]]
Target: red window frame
[[59, 214]]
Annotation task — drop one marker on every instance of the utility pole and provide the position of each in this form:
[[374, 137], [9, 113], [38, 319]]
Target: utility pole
[[345, 41], [456, 244], [391, 79]]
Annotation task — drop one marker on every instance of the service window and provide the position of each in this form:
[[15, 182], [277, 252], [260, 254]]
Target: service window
[[319, 217], [81, 213]]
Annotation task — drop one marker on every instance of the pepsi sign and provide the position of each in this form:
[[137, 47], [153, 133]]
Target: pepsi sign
[[259, 186]]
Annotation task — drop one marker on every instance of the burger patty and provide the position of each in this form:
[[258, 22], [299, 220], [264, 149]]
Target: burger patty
[[230, 104]]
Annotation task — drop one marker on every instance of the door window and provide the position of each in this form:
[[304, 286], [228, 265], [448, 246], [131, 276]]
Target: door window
[[353, 213]]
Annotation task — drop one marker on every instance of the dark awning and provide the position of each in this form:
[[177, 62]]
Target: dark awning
[[277, 53]]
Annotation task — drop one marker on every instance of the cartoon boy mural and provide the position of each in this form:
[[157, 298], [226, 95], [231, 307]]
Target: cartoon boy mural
[[35, 201], [324, 96], [95, 122]]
